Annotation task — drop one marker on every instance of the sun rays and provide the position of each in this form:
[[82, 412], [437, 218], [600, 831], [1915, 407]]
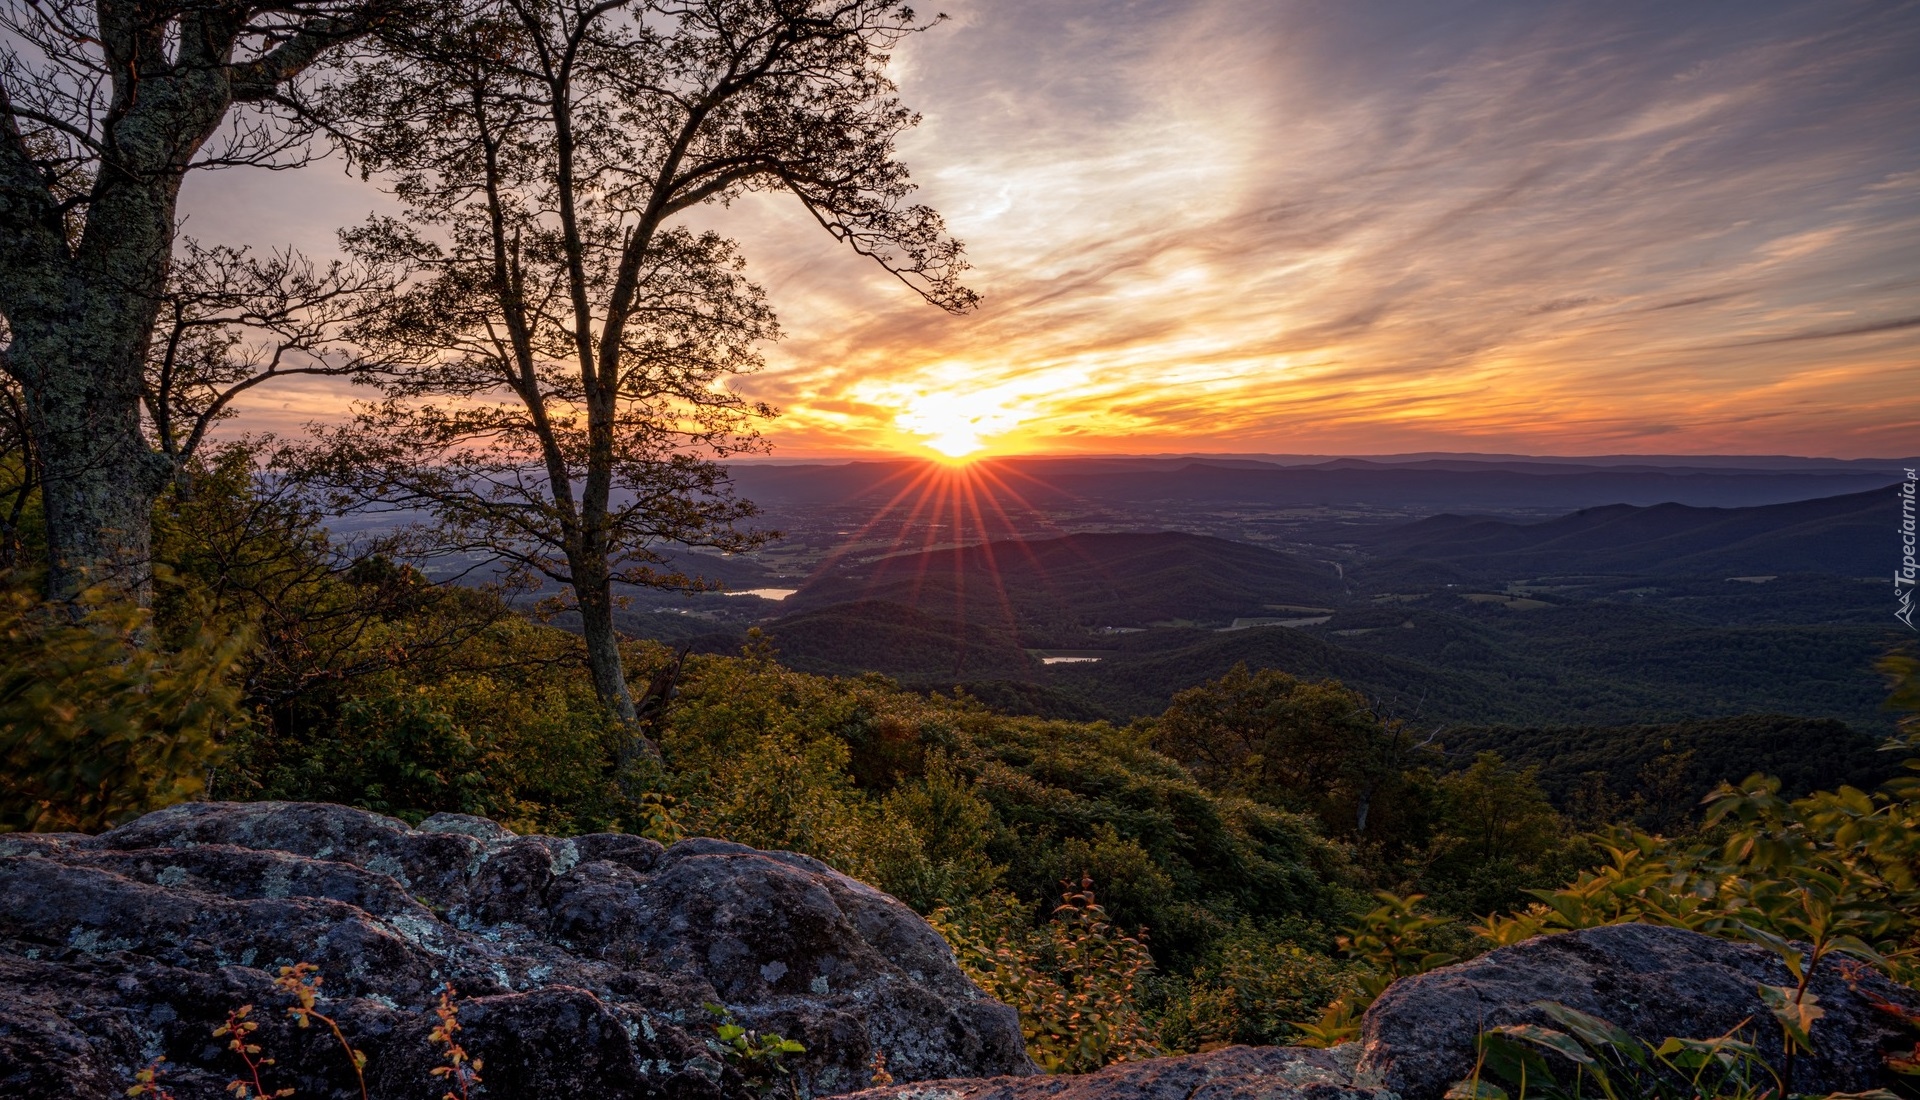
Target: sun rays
[[941, 541]]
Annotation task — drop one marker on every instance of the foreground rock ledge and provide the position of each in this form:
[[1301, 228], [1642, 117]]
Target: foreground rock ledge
[[581, 965], [1418, 1039]]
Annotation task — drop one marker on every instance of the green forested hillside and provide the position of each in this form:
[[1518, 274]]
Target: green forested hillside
[[1451, 661], [1146, 671], [1617, 662], [1680, 761], [1441, 658]]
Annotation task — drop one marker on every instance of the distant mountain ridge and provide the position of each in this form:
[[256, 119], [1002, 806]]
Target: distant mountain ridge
[[1892, 465], [1438, 483], [1420, 619], [1614, 614], [1850, 535], [1493, 486]]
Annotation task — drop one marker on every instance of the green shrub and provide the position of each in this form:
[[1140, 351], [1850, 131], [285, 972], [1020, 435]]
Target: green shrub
[[393, 754], [951, 825], [1314, 747], [1392, 941], [778, 791], [524, 743], [1833, 870], [1496, 836], [1252, 988], [759, 1057], [98, 722]]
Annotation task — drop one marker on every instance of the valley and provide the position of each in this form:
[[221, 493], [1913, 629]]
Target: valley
[[1451, 592]]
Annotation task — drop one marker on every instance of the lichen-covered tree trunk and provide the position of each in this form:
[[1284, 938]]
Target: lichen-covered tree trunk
[[88, 198], [81, 323], [82, 369], [81, 312]]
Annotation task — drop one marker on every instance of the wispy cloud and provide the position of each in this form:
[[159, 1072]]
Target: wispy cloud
[[1867, 329], [1384, 226]]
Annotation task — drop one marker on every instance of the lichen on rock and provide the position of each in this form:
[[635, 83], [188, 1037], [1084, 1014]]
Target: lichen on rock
[[581, 965]]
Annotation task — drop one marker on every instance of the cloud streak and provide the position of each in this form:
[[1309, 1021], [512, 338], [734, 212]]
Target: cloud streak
[[1321, 227]]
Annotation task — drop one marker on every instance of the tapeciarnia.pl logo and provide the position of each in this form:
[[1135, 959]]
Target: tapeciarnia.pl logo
[[1903, 577]]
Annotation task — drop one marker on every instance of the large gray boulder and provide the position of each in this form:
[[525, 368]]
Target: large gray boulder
[[581, 965], [1653, 981]]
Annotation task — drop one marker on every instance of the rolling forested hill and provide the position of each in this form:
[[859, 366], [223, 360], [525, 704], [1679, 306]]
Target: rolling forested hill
[[1053, 591], [876, 636], [1829, 535], [1568, 665]]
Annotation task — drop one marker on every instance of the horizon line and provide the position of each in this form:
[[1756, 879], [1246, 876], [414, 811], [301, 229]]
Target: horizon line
[[1310, 458]]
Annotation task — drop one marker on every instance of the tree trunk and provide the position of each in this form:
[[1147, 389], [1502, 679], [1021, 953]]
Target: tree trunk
[[81, 369], [594, 593], [81, 314]]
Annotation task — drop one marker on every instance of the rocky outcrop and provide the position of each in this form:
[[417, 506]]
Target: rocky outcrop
[[581, 965], [1651, 980], [1234, 1073], [1418, 1038]]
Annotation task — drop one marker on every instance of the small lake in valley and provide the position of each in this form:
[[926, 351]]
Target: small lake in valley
[[1069, 656]]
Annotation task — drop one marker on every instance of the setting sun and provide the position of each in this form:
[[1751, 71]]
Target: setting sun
[[955, 424]]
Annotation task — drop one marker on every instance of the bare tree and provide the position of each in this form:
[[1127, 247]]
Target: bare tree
[[104, 108], [544, 149], [229, 321]]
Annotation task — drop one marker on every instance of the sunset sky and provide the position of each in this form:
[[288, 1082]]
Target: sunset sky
[[1350, 226]]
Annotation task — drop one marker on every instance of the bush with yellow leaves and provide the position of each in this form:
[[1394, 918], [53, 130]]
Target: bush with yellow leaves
[[1076, 981]]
